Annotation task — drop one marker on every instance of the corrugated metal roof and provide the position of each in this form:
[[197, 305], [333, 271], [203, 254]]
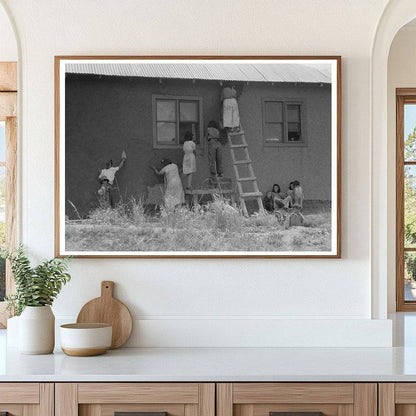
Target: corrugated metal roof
[[257, 72]]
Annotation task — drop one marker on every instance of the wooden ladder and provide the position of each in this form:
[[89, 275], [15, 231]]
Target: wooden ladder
[[255, 193]]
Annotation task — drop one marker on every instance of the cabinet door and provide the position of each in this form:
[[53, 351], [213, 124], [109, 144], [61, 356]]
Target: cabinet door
[[397, 399], [297, 399], [26, 399], [144, 399]]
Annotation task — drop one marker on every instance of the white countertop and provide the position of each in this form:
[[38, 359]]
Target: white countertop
[[213, 364]]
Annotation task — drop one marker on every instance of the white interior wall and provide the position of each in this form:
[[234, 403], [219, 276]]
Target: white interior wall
[[8, 47], [181, 301], [401, 74]]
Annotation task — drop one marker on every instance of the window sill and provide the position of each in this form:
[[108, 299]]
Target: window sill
[[173, 147], [296, 144]]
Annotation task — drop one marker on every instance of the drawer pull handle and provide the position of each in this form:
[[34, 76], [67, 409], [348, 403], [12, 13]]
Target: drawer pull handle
[[139, 414], [296, 414]]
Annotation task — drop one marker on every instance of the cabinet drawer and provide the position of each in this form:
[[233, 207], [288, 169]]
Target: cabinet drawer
[[21, 399], [19, 393], [397, 399], [142, 409], [296, 399], [108, 399], [138, 393]]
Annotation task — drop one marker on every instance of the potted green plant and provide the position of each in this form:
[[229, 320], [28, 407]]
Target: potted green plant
[[36, 289]]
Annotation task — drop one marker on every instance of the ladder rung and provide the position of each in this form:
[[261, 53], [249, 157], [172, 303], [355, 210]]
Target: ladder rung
[[242, 162], [236, 133], [237, 146], [251, 178], [250, 194]]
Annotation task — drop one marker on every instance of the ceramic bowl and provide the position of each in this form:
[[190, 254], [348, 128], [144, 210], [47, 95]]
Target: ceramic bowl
[[83, 340]]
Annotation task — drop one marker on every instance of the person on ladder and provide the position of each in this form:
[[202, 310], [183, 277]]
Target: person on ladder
[[214, 150], [230, 113]]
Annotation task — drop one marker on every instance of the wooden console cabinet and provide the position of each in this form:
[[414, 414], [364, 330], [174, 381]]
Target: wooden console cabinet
[[27, 399], [208, 399]]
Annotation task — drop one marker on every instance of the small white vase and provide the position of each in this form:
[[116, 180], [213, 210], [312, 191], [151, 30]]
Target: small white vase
[[37, 330]]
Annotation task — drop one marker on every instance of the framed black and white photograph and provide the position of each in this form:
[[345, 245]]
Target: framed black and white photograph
[[198, 156]]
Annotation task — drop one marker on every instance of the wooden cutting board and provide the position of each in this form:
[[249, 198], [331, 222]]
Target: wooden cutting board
[[107, 309]]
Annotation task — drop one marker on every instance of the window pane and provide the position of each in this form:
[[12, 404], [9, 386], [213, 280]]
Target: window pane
[[293, 132], [192, 127], [293, 113], [410, 206], [273, 132], [166, 133], [273, 111], [2, 229], [2, 279], [166, 110], [410, 132], [188, 111], [409, 275]]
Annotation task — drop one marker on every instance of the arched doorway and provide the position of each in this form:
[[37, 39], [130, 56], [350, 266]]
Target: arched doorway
[[396, 14]]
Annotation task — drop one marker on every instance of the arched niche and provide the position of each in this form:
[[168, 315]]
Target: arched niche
[[396, 14]]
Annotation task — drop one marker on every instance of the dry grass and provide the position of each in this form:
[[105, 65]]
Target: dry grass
[[216, 226]]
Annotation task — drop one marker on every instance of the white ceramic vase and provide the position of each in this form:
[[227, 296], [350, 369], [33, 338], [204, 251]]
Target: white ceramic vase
[[37, 330]]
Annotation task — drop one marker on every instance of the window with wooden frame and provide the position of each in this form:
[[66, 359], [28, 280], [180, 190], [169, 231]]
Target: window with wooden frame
[[173, 116], [406, 199], [2, 207], [8, 172], [282, 123]]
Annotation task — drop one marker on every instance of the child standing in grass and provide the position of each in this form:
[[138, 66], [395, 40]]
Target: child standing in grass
[[189, 161], [106, 177]]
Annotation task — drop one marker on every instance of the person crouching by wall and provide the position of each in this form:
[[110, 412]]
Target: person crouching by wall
[[295, 192], [280, 200], [214, 149], [297, 195], [107, 177], [268, 202]]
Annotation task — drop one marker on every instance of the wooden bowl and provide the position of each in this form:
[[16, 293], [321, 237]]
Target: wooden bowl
[[84, 340]]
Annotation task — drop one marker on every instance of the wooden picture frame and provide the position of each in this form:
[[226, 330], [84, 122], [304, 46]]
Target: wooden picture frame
[[272, 120]]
